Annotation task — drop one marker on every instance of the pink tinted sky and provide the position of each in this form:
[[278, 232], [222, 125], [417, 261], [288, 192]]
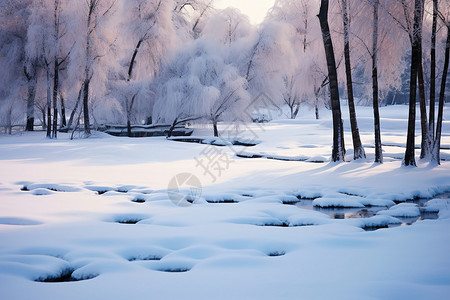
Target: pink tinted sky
[[255, 9]]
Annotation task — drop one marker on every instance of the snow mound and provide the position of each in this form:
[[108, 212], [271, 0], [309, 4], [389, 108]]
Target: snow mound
[[438, 205], [374, 222], [402, 210]]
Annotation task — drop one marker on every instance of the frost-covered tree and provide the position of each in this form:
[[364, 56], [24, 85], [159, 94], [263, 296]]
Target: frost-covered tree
[[309, 79], [96, 37], [149, 28], [49, 45], [268, 60], [198, 84], [13, 81]]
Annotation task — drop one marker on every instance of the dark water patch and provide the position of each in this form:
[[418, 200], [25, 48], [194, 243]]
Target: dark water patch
[[342, 213], [249, 155], [66, 275], [228, 201], [138, 200], [275, 224], [174, 270], [128, 221], [373, 228], [145, 258], [300, 197]]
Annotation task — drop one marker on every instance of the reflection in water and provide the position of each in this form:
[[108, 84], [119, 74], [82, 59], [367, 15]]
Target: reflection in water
[[367, 212]]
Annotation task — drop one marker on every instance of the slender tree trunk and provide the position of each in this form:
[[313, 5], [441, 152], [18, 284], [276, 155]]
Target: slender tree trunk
[[424, 146], [87, 125], [129, 109], [87, 68], [49, 104], [338, 152], [316, 105], [431, 124], [376, 110], [357, 145], [32, 83], [437, 140], [297, 108], [63, 112], [72, 114], [55, 98], [216, 131], [409, 159], [44, 125]]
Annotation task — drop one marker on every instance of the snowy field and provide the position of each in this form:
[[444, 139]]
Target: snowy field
[[107, 217]]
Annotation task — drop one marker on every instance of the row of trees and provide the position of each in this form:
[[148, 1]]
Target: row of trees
[[410, 17], [173, 61]]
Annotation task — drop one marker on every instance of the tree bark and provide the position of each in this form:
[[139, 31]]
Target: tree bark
[[357, 145], [424, 146], [409, 159], [49, 104], [55, 98], [431, 124], [129, 109], [63, 112], [338, 151], [32, 83], [216, 131], [376, 111], [435, 158], [87, 125]]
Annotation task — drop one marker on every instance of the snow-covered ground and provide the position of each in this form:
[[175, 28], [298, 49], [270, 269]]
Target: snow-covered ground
[[110, 216]]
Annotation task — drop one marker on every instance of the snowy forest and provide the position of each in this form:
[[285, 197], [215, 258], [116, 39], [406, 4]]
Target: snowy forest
[[82, 64], [179, 149]]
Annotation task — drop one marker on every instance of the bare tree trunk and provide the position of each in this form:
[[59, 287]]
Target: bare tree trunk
[[44, 125], [49, 104], [63, 112], [357, 145], [338, 152], [216, 131], [376, 111], [32, 83], [435, 158], [316, 108], [55, 98], [431, 124], [409, 159], [129, 109], [72, 114], [424, 146], [87, 125]]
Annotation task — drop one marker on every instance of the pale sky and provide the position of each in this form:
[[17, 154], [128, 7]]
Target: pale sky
[[255, 9]]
